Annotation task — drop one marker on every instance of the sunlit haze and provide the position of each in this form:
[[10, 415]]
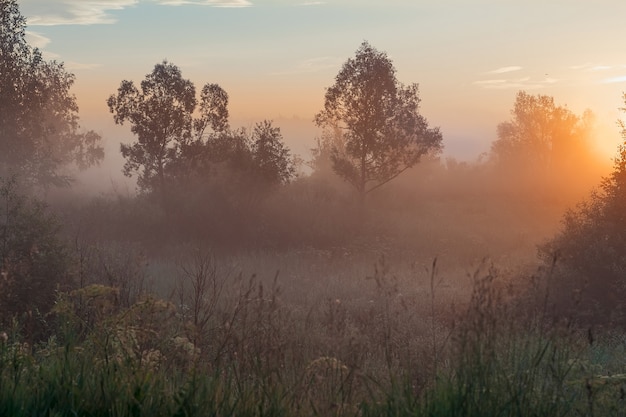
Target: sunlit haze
[[313, 207], [275, 58]]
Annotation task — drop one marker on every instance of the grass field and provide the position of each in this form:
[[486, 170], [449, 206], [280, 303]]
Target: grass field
[[311, 333], [431, 302]]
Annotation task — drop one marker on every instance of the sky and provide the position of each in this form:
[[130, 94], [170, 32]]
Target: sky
[[275, 58]]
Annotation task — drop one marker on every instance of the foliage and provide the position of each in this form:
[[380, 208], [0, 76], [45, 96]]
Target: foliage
[[175, 150], [214, 109], [270, 155], [591, 249], [160, 114], [542, 137], [34, 262], [384, 132], [330, 142], [256, 359], [39, 131], [506, 360]]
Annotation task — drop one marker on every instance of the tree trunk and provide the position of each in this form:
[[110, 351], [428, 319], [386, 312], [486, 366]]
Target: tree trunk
[[162, 191], [363, 179]]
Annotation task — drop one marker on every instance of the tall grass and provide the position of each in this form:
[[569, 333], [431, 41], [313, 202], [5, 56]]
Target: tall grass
[[229, 345], [513, 359]]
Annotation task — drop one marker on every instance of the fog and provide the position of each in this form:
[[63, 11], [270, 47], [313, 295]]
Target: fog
[[181, 258], [457, 210]]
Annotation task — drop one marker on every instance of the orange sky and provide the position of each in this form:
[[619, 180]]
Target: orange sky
[[275, 58]]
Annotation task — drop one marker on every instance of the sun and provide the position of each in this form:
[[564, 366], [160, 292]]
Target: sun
[[606, 139]]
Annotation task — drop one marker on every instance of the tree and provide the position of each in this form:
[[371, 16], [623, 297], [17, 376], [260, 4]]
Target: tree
[[541, 137], [34, 262], [40, 134], [591, 248], [383, 130], [330, 142], [178, 153], [214, 109], [271, 157], [241, 157], [160, 114]]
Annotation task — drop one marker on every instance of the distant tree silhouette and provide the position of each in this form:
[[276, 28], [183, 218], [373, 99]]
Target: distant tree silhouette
[[214, 109], [271, 157], [40, 136], [541, 136], [383, 130], [177, 151], [161, 114], [330, 142]]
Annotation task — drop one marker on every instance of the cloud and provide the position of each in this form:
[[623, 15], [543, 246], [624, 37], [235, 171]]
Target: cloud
[[312, 3], [97, 12], [37, 40], [51, 56], [212, 3], [490, 82], [591, 67], [521, 82], [73, 12], [613, 80], [503, 70], [311, 65], [525, 83], [78, 66]]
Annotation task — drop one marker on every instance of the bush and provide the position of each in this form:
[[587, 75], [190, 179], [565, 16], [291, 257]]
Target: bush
[[591, 252], [34, 262]]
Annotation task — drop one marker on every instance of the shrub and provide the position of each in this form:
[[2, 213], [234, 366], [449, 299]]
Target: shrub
[[34, 262], [591, 252]]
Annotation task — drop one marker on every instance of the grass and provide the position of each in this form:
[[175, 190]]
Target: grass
[[230, 343]]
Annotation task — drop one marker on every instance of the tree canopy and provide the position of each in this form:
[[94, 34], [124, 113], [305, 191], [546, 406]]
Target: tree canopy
[[34, 260], [383, 131], [40, 135], [591, 247], [160, 115], [271, 157], [174, 145], [542, 136]]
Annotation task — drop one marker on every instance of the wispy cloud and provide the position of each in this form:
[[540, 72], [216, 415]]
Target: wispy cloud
[[503, 70], [601, 73], [312, 3], [612, 80], [70, 65], [37, 40], [98, 12], [525, 83], [588, 66], [53, 56], [74, 12], [312, 65], [79, 66], [213, 3], [505, 81], [584, 66]]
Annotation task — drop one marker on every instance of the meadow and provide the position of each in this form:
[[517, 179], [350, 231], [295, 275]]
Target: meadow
[[431, 303]]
